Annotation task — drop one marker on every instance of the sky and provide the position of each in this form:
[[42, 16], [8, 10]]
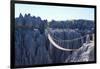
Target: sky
[[55, 12]]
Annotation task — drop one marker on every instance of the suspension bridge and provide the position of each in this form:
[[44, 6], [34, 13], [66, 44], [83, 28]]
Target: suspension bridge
[[57, 43]]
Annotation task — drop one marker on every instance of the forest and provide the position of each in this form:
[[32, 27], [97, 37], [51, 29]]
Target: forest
[[32, 46]]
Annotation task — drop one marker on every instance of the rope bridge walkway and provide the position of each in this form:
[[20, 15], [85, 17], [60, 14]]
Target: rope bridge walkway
[[57, 43]]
